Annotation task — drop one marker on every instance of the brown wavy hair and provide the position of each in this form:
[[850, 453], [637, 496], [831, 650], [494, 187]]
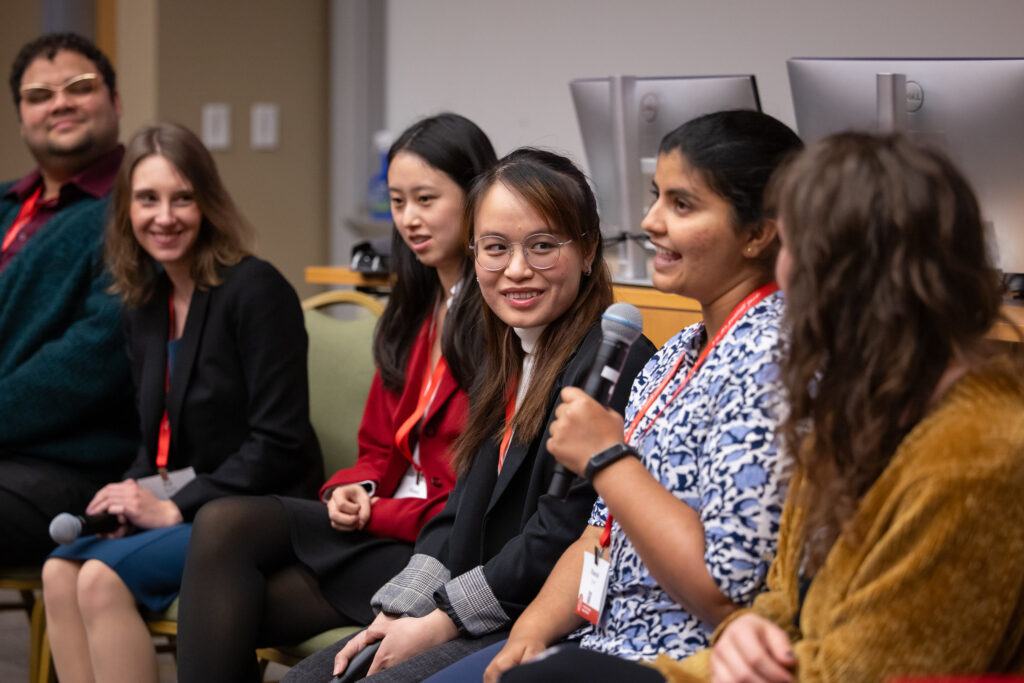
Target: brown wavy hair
[[558, 191], [891, 281], [224, 234]]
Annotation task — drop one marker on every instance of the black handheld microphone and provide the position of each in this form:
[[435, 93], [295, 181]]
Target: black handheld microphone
[[66, 527], [621, 325], [359, 665]]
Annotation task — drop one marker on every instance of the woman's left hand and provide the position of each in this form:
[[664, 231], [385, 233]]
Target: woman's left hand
[[136, 505], [582, 429], [409, 636], [752, 649]]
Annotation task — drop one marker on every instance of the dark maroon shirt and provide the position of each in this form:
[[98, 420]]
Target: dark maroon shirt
[[94, 181]]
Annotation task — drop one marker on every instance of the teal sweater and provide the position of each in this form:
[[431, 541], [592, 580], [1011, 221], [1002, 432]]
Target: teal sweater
[[65, 386]]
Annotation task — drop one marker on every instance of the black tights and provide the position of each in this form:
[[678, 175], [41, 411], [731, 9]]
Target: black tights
[[243, 588]]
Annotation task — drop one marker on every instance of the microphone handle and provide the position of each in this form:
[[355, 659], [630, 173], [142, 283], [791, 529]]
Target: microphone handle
[[599, 385], [103, 523]]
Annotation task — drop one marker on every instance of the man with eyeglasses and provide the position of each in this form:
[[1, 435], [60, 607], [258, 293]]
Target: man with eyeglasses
[[67, 422]]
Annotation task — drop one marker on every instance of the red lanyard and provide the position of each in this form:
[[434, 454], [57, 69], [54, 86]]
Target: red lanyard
[[25, 215], [510, 412], [429, 387], [749, 301], [163, 442]]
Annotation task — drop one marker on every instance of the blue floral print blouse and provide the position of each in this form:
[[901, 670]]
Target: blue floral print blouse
[[714, 447]]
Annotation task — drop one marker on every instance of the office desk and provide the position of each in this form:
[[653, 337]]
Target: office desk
[[664, 314]]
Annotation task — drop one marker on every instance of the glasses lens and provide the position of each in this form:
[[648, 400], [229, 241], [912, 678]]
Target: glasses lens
[[492, 252], [36, 95], [84, 85], [541, 250]]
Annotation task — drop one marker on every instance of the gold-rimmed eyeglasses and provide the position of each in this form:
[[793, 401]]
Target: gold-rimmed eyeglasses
[[81, 85], [495, 253]]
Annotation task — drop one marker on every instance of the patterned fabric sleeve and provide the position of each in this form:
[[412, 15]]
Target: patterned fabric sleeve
[[742, 474], [472, 605], [599, 515], [411, 592], [654, 370]]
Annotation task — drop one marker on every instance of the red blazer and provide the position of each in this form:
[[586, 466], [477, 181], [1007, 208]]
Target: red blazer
[[381, 462]]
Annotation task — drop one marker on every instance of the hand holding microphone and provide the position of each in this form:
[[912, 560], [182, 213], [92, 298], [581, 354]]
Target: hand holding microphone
[[582, 428], [66, 528], [114, 509], [585, 426]]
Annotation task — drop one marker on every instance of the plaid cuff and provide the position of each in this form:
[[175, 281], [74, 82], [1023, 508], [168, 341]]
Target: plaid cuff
[[411, 592], [473, 601]]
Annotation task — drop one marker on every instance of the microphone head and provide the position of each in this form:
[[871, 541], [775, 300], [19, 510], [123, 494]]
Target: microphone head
[[622, 322], [65, 528]]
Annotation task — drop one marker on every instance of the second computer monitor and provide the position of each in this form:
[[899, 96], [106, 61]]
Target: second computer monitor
[[971, 108]]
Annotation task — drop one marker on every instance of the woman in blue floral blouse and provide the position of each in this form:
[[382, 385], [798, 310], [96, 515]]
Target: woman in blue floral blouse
[[691, 484]]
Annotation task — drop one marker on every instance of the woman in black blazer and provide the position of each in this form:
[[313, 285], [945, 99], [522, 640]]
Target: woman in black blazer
[[542, 286], [218, 352]]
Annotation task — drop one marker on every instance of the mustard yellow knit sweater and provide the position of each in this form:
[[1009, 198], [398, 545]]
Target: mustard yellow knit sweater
[[937, 583]]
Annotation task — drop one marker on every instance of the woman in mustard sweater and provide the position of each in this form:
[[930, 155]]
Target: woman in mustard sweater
[[901, 549]]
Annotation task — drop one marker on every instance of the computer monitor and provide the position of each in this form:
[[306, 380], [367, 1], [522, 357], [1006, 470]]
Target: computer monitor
[[622, 120], [971, 108]]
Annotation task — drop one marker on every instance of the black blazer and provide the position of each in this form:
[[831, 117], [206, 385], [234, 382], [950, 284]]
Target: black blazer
[[507, 522], [239, 397]]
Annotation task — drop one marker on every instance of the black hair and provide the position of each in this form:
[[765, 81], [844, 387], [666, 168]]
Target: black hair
[[458, 148], [48, 46], [736, 152]]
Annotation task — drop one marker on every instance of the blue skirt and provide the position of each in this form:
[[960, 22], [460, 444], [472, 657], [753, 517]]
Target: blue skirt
[[150, 562]]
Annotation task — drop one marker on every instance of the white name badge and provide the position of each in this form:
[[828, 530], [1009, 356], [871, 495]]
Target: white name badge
[[593, 586], [163, 487]]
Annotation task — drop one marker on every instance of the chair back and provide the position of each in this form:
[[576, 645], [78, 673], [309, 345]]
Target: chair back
[[340, 371]]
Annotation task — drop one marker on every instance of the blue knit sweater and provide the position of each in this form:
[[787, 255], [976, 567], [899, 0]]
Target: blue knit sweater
[[65, 387]]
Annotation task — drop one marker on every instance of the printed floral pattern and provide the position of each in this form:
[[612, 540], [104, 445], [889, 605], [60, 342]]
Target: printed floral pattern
[[714, 447]]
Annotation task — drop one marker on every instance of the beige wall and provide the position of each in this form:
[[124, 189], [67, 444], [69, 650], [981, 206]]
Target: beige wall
[[136, 37], [21, 22], [257, 51], [507, 65], [174, 55]]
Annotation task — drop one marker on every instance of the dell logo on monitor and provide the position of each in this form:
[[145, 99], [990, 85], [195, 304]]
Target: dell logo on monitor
[[915, 96]]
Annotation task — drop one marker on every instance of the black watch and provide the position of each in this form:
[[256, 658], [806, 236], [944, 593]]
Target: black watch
[[607, 457]]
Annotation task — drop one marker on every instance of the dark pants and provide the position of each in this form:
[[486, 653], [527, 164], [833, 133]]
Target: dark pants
[[319, 668], [570, 663], [32, 493]]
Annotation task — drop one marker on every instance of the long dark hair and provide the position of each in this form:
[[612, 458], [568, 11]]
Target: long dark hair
[[224, 235], [559, 192], [891, 281], [458, 148], [736, 152]]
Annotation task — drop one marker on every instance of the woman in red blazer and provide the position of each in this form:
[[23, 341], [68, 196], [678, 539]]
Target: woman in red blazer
[[274, 570]]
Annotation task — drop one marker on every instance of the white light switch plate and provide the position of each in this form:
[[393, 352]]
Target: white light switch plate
[[217, 125], [264, 123]]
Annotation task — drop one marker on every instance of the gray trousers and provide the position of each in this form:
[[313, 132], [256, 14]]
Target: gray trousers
[[318, 668]]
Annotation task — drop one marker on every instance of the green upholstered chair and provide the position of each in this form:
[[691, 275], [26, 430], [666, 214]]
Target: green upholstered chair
[[340, 371]]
